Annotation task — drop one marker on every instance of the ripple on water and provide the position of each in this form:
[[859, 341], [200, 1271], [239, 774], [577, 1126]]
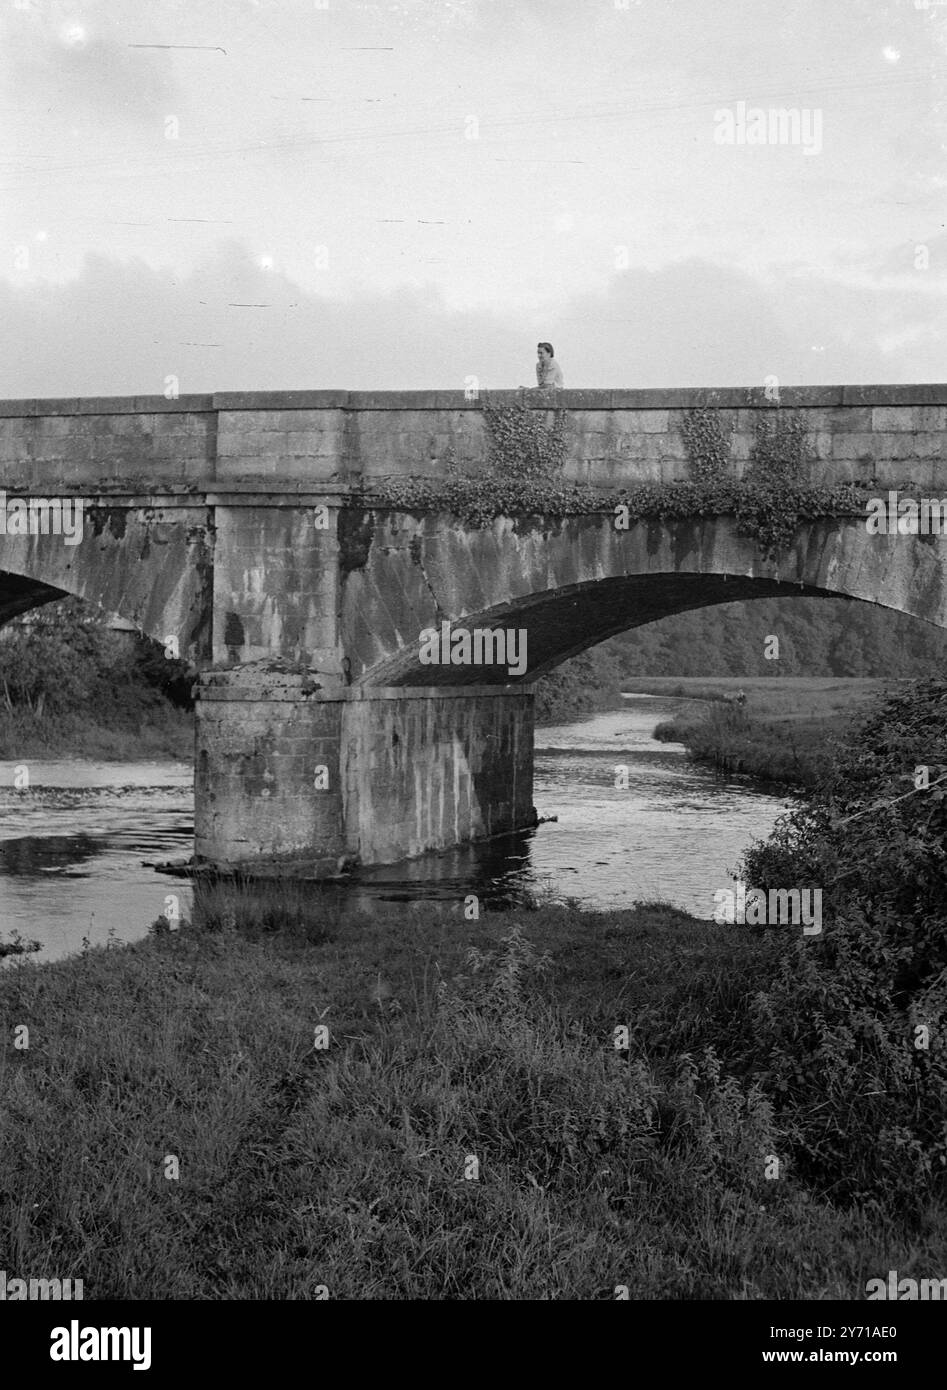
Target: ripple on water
[[72, 847]]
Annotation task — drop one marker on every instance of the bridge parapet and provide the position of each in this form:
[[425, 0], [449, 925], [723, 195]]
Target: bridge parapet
[[286, 440]]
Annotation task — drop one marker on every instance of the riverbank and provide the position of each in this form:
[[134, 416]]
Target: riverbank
[[163, 731], [791, 721], [785, 731], [464, 1128], [168, 732]]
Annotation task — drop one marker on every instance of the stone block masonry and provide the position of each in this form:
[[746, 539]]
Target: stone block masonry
[[292, 776], [430, 768], [260, 737], [283, 440]]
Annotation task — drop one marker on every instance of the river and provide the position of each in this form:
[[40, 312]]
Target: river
[[76, 848]]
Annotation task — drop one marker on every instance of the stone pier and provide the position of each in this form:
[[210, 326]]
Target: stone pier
[[292, 773]]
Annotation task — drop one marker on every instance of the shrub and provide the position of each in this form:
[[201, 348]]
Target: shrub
[[63, 660], [838, 1029], [52, 664]]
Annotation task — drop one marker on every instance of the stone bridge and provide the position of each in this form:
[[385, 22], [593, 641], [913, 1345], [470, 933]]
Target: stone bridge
[[239, 531]]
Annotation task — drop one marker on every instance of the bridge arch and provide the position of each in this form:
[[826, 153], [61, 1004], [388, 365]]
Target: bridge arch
[[572, 585], [151, 566]]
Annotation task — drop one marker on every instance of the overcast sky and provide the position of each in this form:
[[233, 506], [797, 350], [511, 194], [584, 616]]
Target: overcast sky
[[285, 194]]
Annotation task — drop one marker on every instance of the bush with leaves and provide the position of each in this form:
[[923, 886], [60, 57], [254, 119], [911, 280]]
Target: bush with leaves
[[63, 660], [852, 1033], [587, 682], [53, 663]]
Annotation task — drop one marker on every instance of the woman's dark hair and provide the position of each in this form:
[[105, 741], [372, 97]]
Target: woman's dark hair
[[548, 347]]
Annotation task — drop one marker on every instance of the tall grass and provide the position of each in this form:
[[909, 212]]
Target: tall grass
[[470, 1131]]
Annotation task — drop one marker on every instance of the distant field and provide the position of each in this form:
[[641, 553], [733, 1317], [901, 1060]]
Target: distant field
[[782, 734], [771, 697]]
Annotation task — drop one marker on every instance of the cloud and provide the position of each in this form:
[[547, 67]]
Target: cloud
[[124, 327], [230, 325], [80, 70]]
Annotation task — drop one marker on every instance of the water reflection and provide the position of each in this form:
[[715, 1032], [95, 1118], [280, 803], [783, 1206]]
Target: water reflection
[[35, 854]]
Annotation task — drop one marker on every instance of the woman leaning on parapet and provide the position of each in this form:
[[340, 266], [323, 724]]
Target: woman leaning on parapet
[[548, 371]]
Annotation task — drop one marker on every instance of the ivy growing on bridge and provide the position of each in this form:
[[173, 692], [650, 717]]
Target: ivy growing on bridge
[[775, 499], [523, 478], [707, 442], [522, 445], [780, 450]]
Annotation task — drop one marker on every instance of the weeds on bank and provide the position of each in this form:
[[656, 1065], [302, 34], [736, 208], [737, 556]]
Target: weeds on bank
[[470, 1129]]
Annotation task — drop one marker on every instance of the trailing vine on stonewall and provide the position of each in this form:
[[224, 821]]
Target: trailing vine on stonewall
[[522, 445], [523, 475], [524, 478], [775, 498], [780, 449], [707, 442]]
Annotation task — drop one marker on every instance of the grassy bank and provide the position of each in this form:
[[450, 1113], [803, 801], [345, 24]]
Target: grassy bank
[[353, 1166], [165, 732], [783, 733]]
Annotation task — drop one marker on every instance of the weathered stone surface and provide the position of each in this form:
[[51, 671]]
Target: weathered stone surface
[[320, 782], [261, 745], [150, 565], [915, 417], [275, 584], [443, 771], [573, 583]]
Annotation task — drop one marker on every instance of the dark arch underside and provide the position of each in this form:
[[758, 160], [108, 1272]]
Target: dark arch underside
[[565, 622], [19, 595]]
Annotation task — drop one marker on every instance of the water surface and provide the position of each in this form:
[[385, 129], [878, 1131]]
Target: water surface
[[76, 849]]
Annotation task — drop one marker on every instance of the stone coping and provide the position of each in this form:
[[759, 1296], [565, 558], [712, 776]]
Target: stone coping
[[616, 398]]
